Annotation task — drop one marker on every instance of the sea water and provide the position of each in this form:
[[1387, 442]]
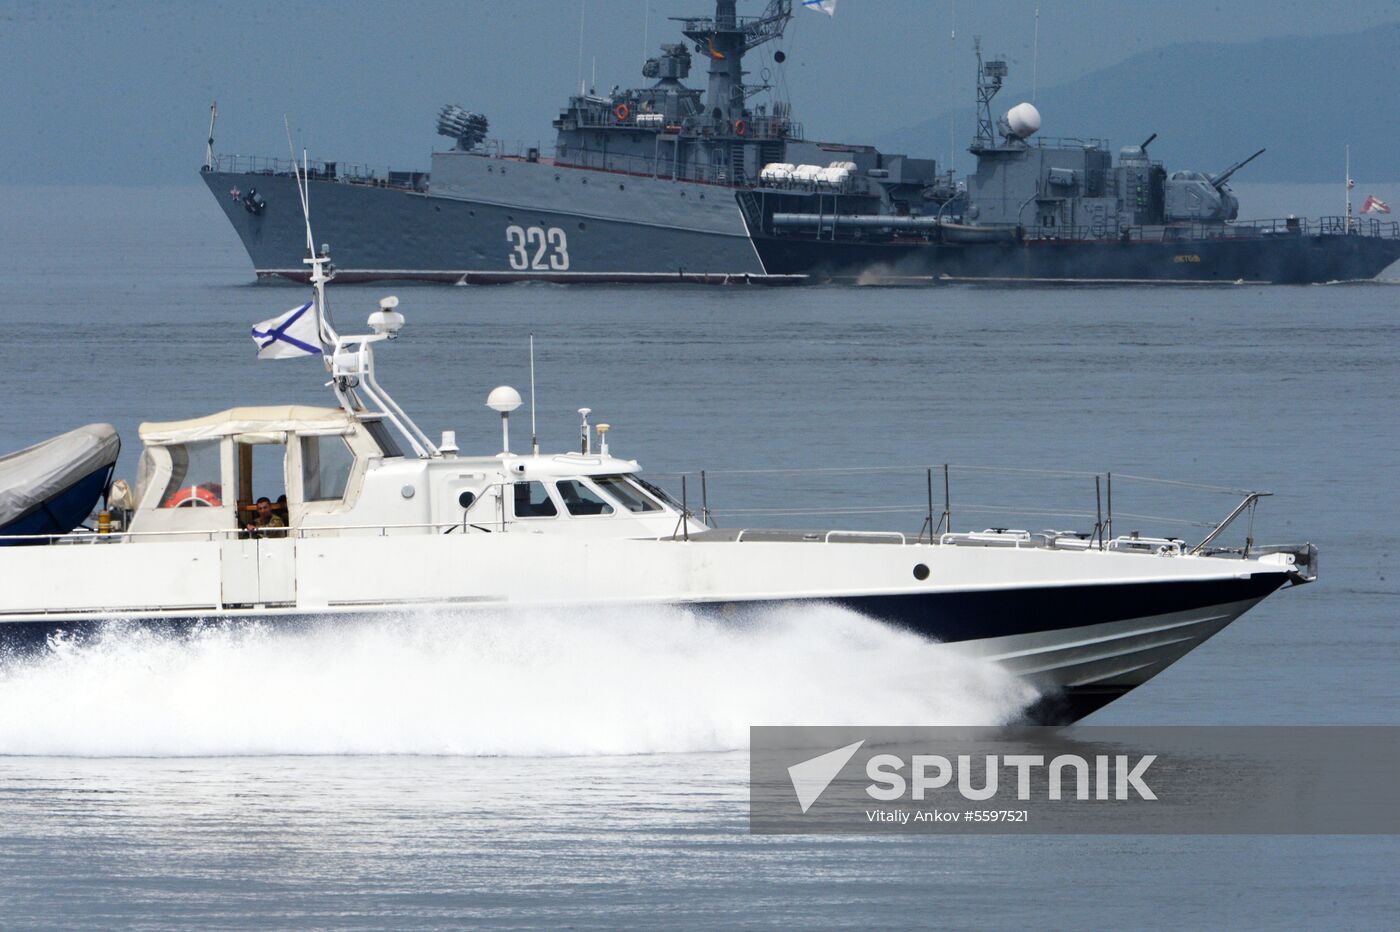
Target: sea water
[[587, 769]]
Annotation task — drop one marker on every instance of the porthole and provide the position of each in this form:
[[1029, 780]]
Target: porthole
[[582, 225], [622, 187], [466, 499], [920, 571]]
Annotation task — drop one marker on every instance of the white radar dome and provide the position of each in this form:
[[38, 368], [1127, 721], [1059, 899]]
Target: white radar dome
[[1024, 120], [503, 398]]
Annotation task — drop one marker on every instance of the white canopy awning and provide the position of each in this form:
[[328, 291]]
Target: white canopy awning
[[266, 424]]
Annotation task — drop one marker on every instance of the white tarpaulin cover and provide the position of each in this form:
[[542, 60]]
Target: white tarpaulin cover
[[262, 423], [37, 473]]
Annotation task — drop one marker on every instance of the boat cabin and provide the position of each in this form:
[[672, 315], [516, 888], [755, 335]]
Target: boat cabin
[[328, 472]]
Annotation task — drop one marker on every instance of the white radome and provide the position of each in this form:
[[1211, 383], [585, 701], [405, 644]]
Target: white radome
[[1024, 120], [504, 399]]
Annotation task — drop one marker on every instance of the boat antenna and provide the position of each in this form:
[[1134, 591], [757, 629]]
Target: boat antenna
[[350, 361], [534, 436], [209, 150], [317, 261]]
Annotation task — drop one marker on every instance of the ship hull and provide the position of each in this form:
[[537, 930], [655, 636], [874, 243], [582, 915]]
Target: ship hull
[[493, 220], [489, 220], [1277, 259]]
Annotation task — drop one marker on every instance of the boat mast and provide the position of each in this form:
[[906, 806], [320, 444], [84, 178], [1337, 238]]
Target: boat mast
[[350, 359]]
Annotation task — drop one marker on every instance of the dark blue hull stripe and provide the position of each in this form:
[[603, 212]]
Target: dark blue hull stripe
[[943, 616], [966, 616]]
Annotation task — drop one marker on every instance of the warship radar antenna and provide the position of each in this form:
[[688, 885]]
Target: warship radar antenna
[[989, 78]]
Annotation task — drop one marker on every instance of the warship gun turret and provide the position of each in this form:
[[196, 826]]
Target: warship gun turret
[[668, 182]]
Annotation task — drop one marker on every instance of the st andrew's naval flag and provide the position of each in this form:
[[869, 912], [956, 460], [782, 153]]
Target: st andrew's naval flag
[[821, 6], [291, 334]]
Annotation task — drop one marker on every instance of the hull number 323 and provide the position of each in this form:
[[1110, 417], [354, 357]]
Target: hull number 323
[[538, 249]]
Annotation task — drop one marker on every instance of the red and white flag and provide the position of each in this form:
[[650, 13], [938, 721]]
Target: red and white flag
[[1374, 205]]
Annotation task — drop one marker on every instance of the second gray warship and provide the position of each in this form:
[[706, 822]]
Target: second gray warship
[[670, 183]]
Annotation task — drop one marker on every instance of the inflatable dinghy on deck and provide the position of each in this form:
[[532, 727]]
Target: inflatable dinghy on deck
[[51, 487]]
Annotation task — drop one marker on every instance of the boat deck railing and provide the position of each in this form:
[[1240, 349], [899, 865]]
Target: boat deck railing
[[961, 505], [955, 505]]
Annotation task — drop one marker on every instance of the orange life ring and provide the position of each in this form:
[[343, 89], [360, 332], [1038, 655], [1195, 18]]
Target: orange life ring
[[622, 112], [740, 127], [196, 496]]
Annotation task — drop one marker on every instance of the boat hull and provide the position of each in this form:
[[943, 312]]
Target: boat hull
[[1080, 646]]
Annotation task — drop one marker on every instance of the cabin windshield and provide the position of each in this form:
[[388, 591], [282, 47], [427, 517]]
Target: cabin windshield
[[657, 491], [626, 494], [196, 476], [580, 500]]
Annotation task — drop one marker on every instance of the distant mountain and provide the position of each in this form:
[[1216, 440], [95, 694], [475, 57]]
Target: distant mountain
[[1214, 103]]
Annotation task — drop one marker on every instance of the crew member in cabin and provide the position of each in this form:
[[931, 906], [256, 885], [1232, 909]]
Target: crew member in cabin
[[266, 522]]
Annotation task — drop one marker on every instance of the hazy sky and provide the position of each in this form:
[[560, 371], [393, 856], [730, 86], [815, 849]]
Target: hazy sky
[[119, 91]]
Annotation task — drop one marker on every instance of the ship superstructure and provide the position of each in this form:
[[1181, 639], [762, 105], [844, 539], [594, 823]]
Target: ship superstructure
[[667, 182]]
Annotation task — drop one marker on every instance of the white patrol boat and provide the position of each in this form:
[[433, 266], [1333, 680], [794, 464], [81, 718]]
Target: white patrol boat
[[378, 517]]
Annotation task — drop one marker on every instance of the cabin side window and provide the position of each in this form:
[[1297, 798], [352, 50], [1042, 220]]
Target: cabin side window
[[626, 494], [382, 438], [325, 468], [196, 476], [579, 499], [533, 501]]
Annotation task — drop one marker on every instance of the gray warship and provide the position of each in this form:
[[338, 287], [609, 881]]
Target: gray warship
[[670, 183]]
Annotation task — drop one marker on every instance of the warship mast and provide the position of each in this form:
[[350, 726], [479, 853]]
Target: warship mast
[[724, 39]]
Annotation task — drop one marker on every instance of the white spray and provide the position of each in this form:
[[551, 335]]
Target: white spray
[[519, 682]]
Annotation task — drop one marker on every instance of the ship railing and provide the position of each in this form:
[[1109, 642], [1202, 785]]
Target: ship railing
[[342, 172], [1192, 232], [645, 167], [1051, 142], [756, 128], [966, 505]]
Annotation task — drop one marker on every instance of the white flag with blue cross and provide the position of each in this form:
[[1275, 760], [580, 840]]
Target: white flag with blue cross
[[291, 334]]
